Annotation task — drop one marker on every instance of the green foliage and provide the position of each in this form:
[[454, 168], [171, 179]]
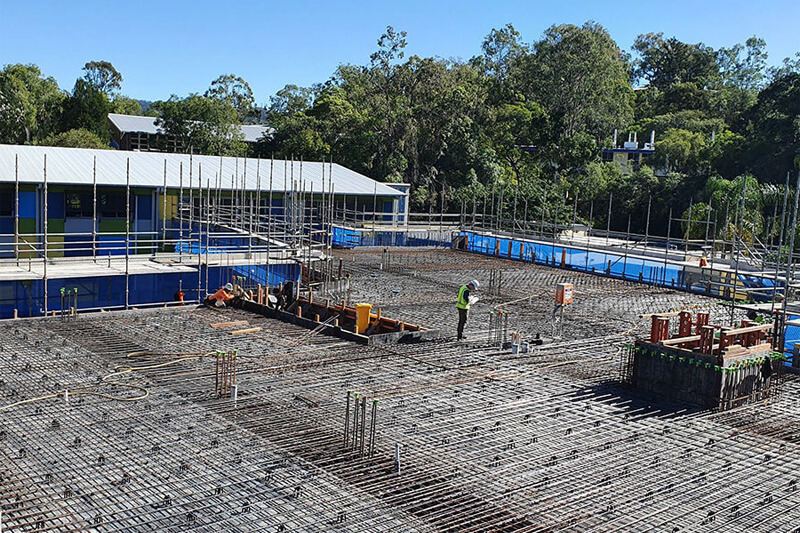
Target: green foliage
[[527, 120], [664, 63], [581, 78], [234, 91], [773, 126], [79, 138], [202, 124], [737, 203], [694, 221], [744, 66], [102, 76], [87, 108], [680, 150], [30, 104], [126, 106]]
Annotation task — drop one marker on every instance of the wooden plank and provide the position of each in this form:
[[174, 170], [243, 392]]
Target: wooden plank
[[230, 324], [245, 331], [680, 340], [749, 329]]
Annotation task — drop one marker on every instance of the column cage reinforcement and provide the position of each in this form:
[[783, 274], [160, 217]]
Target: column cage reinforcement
[[699, 379]]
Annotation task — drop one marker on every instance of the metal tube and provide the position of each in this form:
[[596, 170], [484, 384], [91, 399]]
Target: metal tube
[[208, 231], [789, 257], [164, 210], [371, 450], [199, 232], [16, 207], [180, 211], [737, 243], [94, 208], [666, 249], [191, 199], [127, 230], [269, 217], [780, 241], [347, 417], [44, 225], [363, 425], [355, 422]]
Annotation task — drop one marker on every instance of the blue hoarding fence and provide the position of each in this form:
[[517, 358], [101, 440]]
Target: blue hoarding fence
[[614, 265], [27, 296]]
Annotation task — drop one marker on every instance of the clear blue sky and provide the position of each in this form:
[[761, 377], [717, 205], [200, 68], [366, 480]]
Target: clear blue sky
[[179, 47]]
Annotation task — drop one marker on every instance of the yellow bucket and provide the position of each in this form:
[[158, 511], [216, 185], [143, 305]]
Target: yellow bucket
[[362, 317]]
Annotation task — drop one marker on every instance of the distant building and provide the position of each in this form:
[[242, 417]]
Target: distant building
[[630, 155], [142, 134], [86, 195]]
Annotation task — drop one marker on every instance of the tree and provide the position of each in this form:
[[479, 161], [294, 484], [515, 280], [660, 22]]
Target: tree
[[79, 138], [202, 125], [681, 150], [789, 65], [725, 197], [774, 129], [289, 101], [126, 106], [514, 128], [30, 104], [744, 66], [581, 78], [693, 225], [234, 91], [501, 49], [87, 108], [102, 76], [665, 62]]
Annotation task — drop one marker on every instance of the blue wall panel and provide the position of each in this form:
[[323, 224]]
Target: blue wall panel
[[27, 204], [55, 205]]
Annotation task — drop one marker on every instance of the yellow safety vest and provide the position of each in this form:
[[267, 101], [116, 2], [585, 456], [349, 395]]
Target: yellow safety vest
[[462, 303]]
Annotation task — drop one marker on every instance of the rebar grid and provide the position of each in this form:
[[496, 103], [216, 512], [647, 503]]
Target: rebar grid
[[489, 440]]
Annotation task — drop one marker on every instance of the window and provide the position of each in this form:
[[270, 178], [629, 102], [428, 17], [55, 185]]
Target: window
[[78, 204], [7, 203], [111, 205]]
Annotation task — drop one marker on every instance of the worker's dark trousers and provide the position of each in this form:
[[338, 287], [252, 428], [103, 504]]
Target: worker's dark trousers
[[462, 319]]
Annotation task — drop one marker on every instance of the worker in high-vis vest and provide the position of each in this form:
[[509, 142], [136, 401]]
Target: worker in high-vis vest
[[463, 303]]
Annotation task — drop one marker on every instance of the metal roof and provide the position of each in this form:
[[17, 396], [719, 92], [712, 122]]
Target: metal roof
[[138, 124], [74, 166]]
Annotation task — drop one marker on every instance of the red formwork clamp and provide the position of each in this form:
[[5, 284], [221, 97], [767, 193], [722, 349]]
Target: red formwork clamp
[[659, 329], [684, 324], [654, 328], [725, 340], [702, 320], [706, 339]]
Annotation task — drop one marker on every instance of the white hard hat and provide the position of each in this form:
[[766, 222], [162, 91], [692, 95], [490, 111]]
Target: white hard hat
[[228, 287], [475, 283]]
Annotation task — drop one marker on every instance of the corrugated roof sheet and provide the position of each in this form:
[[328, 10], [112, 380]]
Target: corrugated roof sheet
[[138, 124], [73, 166]]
